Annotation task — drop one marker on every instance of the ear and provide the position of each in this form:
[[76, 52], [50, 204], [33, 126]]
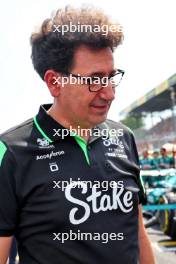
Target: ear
[[52, 80]]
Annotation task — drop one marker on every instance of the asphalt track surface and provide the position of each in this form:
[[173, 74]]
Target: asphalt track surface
[[164, 248]]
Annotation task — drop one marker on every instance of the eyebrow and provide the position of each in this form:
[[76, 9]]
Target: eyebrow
[[100, 73]]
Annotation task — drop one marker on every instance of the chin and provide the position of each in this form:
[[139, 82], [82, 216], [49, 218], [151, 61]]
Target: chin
[[99, 119]]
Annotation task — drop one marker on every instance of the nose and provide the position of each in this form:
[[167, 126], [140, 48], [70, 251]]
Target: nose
[[107, 93]]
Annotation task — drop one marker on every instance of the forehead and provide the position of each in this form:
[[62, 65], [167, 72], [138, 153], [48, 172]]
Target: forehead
[[91, 60]]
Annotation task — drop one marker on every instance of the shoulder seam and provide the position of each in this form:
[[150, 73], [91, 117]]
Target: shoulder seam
[[7, 132]]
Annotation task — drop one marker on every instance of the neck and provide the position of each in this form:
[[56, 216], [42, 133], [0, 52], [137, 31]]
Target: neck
[[59, 117]]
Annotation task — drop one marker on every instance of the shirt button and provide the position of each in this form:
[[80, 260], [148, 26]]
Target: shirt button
[[88, 147], [108, 165]]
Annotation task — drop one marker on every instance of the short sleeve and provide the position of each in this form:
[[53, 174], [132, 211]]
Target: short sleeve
[[8, 201]]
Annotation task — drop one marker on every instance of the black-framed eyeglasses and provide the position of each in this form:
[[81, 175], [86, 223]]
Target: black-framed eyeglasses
[[98, 83]]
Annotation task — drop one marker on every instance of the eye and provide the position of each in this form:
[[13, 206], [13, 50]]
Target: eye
[[95, 80]]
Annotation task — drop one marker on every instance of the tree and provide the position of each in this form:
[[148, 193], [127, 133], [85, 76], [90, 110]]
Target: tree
[[133, 121]]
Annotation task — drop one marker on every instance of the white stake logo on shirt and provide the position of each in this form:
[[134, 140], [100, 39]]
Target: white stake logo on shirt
[[118, 199]]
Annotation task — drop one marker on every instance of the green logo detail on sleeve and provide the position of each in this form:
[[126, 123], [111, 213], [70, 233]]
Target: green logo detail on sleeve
[[3, 150]]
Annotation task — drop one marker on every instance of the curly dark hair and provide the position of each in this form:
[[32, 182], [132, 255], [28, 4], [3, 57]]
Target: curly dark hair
[[51, 49]]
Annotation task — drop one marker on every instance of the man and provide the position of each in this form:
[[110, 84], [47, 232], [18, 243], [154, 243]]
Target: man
[[145, 161], [156, 159], [165, 162], [146, 164], [85, 220]]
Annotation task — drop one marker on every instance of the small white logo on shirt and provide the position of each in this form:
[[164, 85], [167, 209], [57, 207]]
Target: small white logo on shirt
[[50, 155], [44, 143], [53, 166], [113, 141], [116, 153], [115, 148]]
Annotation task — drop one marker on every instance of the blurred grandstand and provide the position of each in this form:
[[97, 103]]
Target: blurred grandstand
[[160, 102]]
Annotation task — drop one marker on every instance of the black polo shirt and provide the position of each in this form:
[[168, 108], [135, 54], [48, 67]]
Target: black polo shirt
[[68, 201]]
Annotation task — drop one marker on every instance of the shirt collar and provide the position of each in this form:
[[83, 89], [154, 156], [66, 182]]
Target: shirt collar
[[46, 125], [51, 130]]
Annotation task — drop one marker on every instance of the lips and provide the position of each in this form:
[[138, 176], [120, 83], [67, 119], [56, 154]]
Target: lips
[[100, 107]]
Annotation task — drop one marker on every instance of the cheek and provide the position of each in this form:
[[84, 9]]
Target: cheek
[[67, 96], [77, 98], [82, 98]]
